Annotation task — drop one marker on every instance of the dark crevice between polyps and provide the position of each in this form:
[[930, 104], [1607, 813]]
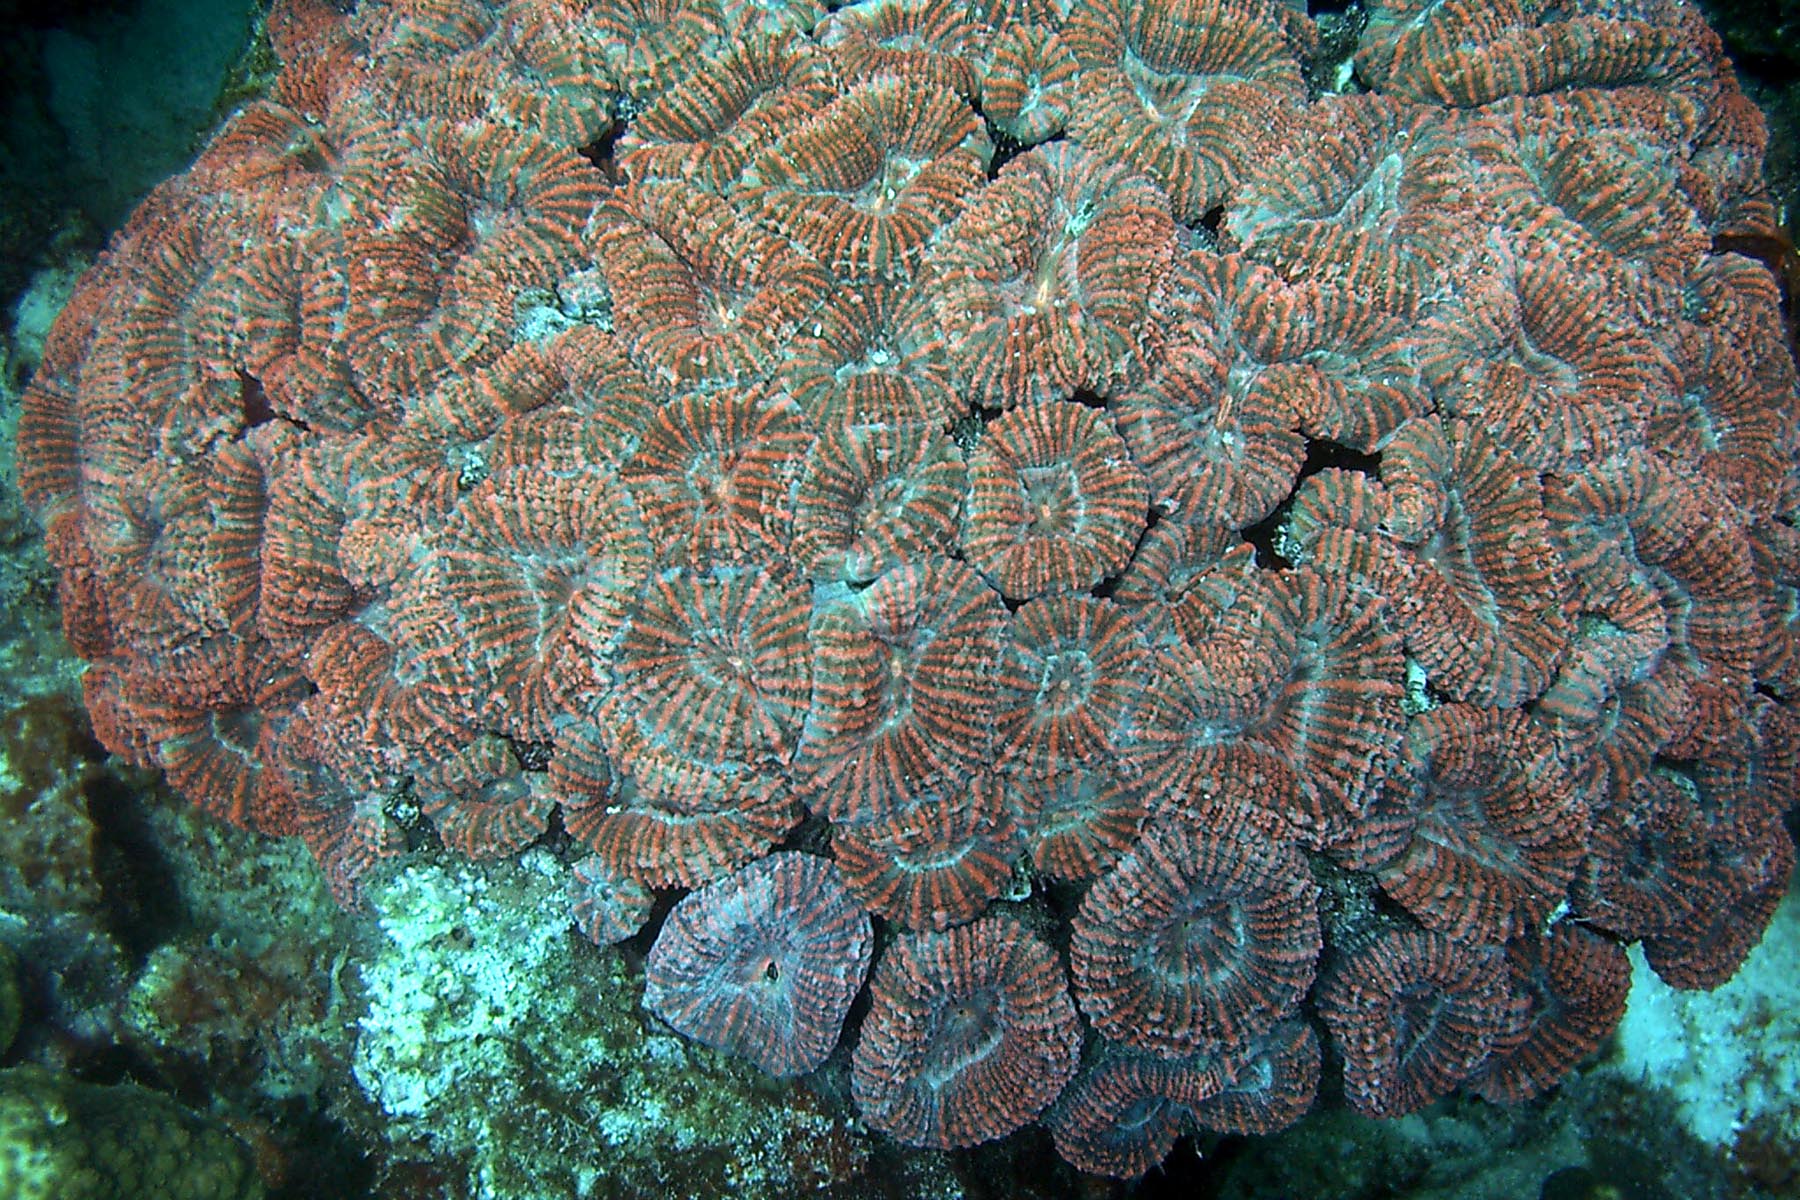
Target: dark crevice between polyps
[[600, 151], [1006, 148], [253, 401], [1321, 455]]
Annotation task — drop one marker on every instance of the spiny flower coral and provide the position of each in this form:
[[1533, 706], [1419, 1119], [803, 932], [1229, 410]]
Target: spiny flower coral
[[976, 441], [1203, 936], [970, 1035], [763, 963]]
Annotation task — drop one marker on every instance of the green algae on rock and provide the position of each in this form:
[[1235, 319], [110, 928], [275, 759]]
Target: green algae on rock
[[65, 1140], [9, 996]]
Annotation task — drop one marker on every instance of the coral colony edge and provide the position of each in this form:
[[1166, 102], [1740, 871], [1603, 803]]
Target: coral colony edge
[[1181, 576]]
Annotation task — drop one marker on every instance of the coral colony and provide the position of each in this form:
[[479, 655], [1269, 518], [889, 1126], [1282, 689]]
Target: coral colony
[[1173, 576]]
